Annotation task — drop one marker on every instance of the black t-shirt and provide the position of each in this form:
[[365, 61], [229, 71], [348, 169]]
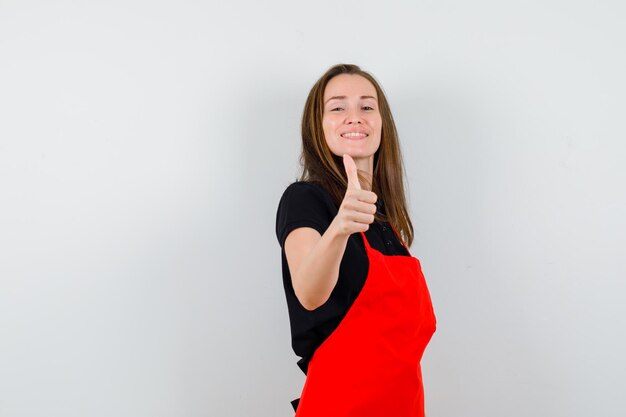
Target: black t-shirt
[[308, 204]]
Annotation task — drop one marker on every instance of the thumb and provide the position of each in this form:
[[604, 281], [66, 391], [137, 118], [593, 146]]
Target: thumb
[[350, 166]]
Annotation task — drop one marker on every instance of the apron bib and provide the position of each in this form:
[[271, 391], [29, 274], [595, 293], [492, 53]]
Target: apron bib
[[369, 366]]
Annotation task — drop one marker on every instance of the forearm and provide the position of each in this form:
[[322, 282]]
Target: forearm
[[318, 272]]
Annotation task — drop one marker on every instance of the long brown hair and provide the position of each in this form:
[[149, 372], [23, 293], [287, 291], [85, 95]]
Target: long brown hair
[[320, 165]]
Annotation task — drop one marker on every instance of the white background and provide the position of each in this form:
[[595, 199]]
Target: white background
[[144, 146]]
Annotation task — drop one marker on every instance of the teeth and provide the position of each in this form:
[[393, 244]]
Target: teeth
[[353, 135]]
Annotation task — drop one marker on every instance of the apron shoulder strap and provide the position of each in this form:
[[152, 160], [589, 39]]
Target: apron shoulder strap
[[365, 241]]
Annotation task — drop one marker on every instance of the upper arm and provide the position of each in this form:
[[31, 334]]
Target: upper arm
[[298, 245], [304, 213]]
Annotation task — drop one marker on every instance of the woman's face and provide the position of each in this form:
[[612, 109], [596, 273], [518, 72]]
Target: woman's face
[[352, 123]]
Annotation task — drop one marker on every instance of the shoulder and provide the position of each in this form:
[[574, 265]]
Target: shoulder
[[305, 188], [303, 193]]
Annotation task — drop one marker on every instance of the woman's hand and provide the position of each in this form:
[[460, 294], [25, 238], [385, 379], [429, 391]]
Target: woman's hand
[[358, 207]]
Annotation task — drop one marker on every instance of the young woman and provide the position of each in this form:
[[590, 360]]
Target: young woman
[[359, 308]]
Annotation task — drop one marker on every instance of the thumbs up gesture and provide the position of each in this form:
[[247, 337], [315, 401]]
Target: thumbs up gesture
[[357, 209]]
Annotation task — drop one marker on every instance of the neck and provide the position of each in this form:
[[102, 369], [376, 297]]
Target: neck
[[365, 167]]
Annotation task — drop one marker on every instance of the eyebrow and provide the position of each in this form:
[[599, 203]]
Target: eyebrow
[[344, 97]]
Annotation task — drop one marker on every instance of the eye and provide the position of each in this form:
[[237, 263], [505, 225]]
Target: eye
[[336, 109], [368, 108]]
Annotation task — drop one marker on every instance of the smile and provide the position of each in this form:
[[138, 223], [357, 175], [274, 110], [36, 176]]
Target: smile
[[353, 135]]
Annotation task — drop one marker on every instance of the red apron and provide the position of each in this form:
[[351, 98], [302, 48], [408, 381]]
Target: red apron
[[369, 366]]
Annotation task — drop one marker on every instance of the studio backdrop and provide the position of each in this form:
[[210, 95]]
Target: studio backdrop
[[144, 147]]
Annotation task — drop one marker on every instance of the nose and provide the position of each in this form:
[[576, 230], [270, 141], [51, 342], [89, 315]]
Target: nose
[[353, 116]]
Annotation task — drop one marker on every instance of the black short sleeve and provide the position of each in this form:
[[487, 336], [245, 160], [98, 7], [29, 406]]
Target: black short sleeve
[[303, 204]]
